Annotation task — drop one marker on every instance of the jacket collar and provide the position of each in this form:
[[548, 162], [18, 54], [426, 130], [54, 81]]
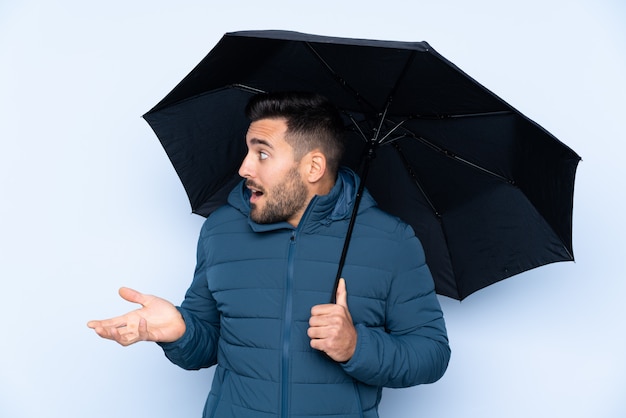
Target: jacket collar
[[322, 210]]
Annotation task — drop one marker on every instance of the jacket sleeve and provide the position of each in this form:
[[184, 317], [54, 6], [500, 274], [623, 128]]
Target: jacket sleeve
[[197, 348], [413, 348]]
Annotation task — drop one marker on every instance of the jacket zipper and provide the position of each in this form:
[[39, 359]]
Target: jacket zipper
[[288, 313]]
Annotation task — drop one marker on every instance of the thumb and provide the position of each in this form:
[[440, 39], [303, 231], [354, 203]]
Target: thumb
[[132, 295], [341, 298]]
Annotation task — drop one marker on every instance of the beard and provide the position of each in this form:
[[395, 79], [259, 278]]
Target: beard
[[282, 201]]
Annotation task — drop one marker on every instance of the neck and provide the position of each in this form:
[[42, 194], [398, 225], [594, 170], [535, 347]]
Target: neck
[[320, 188]]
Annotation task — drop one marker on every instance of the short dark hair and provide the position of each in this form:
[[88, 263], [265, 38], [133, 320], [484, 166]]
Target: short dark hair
[[313, 122]]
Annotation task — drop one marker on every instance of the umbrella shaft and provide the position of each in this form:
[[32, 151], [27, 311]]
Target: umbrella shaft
[[346, 244]]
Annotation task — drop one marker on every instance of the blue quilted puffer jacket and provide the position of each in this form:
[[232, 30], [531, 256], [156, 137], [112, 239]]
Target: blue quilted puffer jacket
[[248, 307]]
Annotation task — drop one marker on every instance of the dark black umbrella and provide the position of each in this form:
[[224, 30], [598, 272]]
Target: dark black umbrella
[[488, 192]]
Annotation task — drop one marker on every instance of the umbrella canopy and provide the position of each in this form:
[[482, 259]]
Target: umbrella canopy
[[488, 191]]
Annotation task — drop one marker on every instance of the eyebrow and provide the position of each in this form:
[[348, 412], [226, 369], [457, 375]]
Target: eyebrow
[[257, 141]]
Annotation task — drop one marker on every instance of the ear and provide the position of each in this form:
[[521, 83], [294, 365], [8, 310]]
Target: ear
[[316, 167]]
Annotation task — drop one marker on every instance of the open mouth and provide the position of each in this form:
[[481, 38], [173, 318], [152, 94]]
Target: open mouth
[[256, 192], [255, 196]]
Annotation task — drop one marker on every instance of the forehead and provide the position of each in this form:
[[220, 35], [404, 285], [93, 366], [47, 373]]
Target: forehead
[[270, 132]]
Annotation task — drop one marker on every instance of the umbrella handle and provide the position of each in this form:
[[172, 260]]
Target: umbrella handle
[[357, 201]]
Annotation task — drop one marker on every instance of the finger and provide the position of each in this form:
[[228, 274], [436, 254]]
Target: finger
[[134, 331], [342, 294], [317, 345], [325, 310], [116, 322], [313, 333], [108, 333], [131, 295], [142, 329], [319, 320]]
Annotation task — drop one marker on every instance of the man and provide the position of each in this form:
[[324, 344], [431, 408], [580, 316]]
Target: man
[[257, 306]]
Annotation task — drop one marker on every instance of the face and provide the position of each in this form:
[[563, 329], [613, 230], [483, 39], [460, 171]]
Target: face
[[272, 175]]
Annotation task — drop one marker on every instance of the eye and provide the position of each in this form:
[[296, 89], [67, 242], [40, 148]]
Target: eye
[[263, 155]]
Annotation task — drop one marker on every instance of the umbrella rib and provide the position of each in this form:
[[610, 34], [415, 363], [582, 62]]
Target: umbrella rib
[[401, 77], [390, 97], [391, 131], [460, 115], [409, 169], [416, 181], [247, 88], [356, 125], [456, 157], [342, 81], [383, 118], [480, 114]]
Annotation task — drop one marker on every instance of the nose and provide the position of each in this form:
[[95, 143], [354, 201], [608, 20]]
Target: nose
[[245, 169]]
